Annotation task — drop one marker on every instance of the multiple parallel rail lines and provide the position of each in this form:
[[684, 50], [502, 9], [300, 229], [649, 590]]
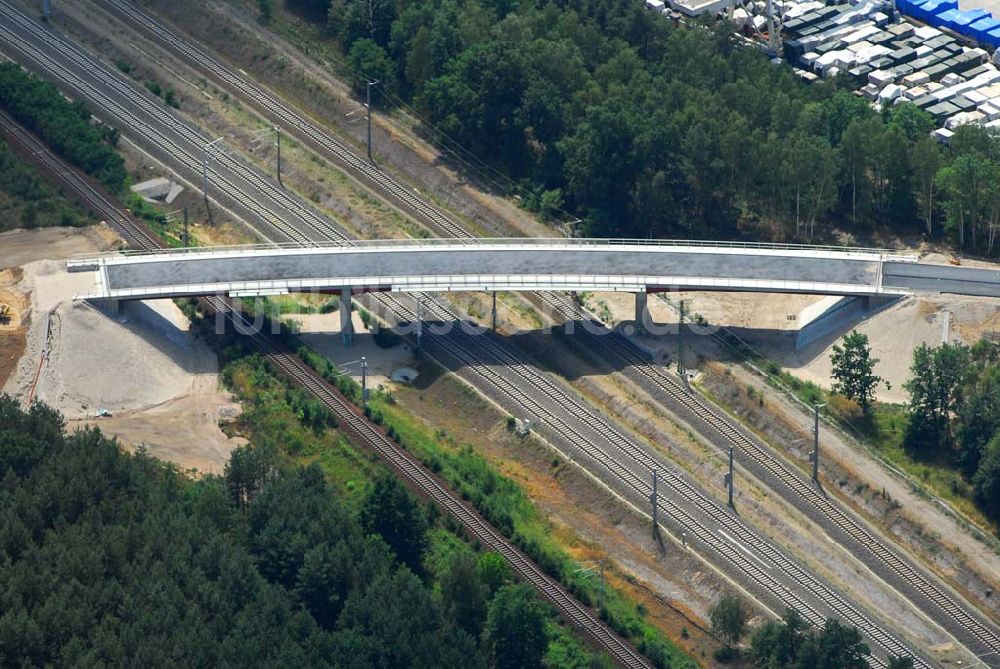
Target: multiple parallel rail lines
[[883, 559], [349, 417], [568, 418]]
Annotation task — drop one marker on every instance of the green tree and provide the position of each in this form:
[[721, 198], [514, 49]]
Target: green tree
[[836, 646], [369, 62], [970, 182], [515, 628], [247, 470], [936, 376], [853, 369], [493, 571], [926, 157], [390, 511], [776, 644], [978, 415], [855, 154], [915, 123], [729, 619], [900, 662], [65, 126], [987, 479], [463, 595]]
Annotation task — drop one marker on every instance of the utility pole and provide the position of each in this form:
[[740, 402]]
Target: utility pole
[[729, 477], [364, 378], [655, 502], [277, 135], [494, 311], [680, 341], [814, 456], [169, 218], [47, 9], [368, 106]]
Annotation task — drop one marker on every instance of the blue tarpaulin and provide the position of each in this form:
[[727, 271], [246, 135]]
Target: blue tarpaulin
[[982, 28], [928, 9], [967, 17]]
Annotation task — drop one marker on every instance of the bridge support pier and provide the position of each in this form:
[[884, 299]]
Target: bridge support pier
[[642, 317], [117, 309], [346, 324]]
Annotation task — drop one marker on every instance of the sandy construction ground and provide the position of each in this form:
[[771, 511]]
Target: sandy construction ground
[[894, 333], [19, 247], [143, 365], [770, 324]]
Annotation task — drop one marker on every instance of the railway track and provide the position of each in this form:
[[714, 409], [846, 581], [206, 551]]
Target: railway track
[[705, 514], [666, 388], [348, 415], [265, 101]]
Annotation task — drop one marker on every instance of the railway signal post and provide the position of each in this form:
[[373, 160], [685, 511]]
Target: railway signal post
[[494, 311]]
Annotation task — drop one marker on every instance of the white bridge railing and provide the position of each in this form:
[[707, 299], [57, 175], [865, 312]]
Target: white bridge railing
[[502, 242]]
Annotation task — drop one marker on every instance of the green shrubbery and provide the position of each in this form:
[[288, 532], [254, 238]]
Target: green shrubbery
[[27, 200], [65, 126]]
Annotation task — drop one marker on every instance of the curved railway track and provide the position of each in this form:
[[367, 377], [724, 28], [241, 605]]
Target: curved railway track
[[874, 552], [350, 417], [580, 421]]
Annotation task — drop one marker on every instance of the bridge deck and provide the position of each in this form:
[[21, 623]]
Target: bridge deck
[[489, 265], [599, 265]]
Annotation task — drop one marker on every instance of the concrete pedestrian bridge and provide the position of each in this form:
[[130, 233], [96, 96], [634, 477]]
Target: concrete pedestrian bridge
[[636, 266]]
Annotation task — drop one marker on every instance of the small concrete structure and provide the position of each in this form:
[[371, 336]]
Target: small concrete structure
[[159, 189]]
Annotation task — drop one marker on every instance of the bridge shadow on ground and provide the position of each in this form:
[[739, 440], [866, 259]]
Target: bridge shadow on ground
[[594, 348], [154, 329]]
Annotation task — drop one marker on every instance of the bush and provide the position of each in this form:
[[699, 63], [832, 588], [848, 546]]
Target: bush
[[65, 126]]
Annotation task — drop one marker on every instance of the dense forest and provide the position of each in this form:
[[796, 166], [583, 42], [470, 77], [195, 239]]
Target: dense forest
[[603, 110], [65, 126], [117, 559]]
